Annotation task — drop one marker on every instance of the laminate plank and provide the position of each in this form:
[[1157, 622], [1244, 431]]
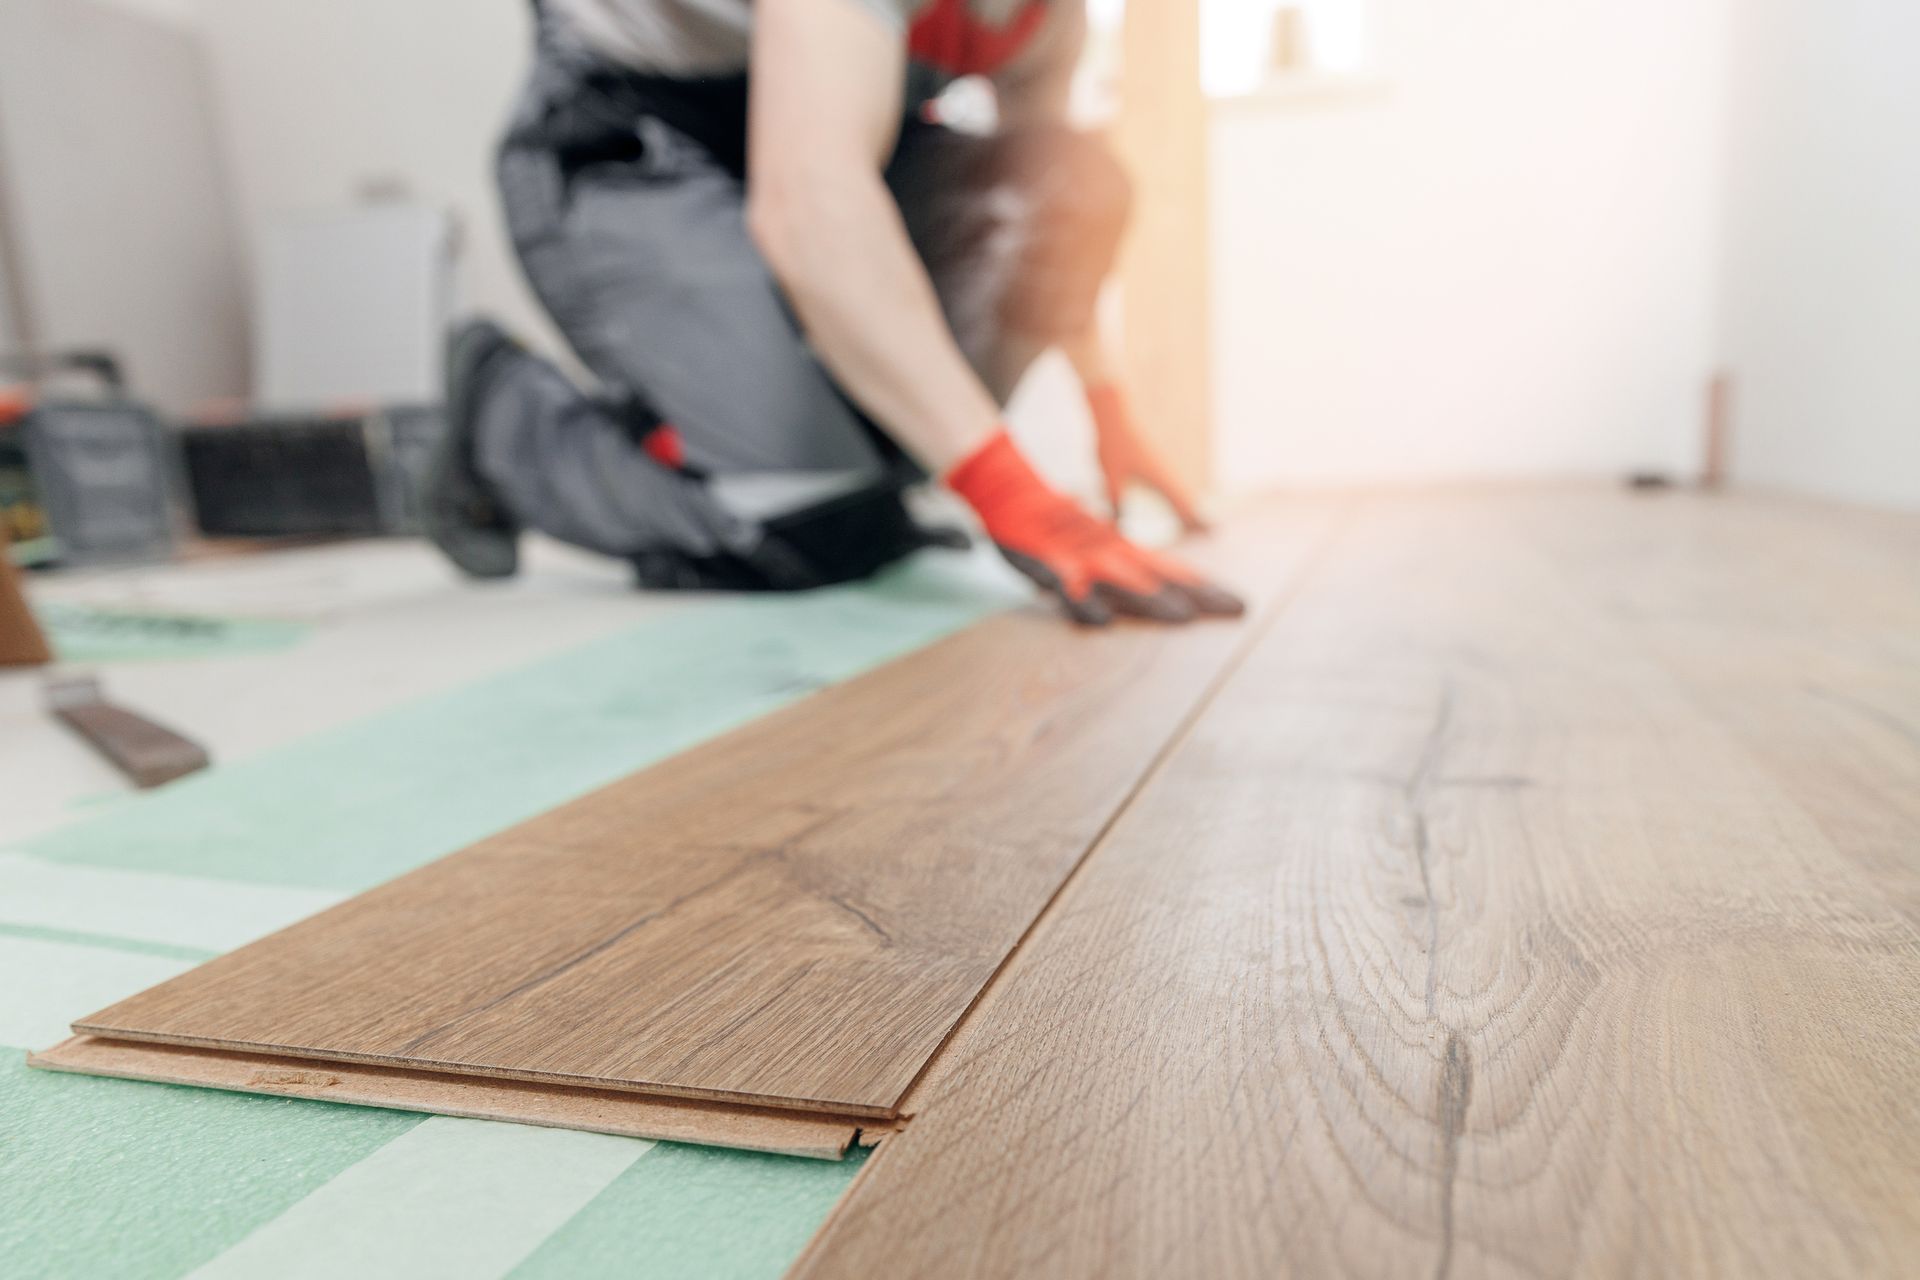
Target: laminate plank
[[795, 915], [1452, 939], [1793, 624], [547, 1106]]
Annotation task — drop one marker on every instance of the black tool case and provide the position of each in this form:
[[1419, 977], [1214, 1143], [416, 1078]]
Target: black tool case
[[289, 475]]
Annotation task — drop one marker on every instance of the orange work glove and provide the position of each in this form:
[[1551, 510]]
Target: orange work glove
[[1094, 571], [1125, 458]]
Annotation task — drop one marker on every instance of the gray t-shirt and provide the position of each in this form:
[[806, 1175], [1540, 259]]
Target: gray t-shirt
[[711, 37]]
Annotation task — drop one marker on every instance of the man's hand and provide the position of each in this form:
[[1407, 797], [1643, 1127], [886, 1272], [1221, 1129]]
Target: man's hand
[[1125, 458], [1094, 571]]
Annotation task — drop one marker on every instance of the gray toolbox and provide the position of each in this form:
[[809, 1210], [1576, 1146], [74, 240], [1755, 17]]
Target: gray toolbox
[[100, 469]]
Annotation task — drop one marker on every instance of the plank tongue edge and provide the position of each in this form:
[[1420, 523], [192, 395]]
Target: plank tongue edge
[[815, 1136]]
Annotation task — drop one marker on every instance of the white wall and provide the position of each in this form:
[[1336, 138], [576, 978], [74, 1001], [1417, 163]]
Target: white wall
[[1822, 305], [1504, 264], [118, 196], [321, 98], [180, 13]]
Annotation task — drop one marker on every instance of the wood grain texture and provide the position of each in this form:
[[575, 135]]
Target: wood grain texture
[[1792, 624], [795, 915], [1454, 939], [547, 1106]]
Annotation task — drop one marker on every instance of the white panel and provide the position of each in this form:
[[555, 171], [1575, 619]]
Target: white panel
[[352, 306]]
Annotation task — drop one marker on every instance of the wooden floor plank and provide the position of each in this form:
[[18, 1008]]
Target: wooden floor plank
[[795, 915], [1454, 939], [1793, 624], [548, 1106]]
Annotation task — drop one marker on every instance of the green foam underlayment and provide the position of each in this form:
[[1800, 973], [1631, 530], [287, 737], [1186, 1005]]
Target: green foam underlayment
[[105, 1177], [112, 1178], [695, 1211], [83, 633], [354, 806]]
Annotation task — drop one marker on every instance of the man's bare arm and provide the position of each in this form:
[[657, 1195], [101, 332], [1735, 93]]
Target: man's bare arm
[[825, 102], [825, 107]]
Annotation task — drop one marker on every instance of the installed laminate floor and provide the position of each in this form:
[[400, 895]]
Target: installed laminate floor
[[1531, 889], [1534, 899]]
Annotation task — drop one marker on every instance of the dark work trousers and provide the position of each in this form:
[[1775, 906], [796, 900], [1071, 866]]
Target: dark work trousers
[[624, 195]]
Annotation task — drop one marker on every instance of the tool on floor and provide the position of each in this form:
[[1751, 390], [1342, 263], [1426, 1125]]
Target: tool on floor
[[148, 753]]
